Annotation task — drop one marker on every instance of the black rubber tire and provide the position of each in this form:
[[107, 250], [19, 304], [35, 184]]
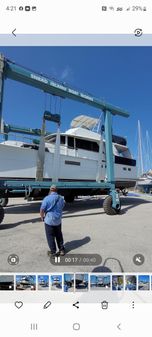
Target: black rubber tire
[[69, 198], [107, 206], [3, 202], [1, 214]]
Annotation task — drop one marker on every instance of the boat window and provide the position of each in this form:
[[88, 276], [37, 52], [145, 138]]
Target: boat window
[[95, 147], [62, 139], [52, 139], [122, 151], [125, 161], [71, 142], [87, 145]]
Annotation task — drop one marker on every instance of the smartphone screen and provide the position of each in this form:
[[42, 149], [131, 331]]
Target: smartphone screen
[[75, 168]]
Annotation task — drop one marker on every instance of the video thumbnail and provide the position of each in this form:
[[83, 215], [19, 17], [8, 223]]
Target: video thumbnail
[[56, 282], [6, 282], [25, 282], [43, 282]]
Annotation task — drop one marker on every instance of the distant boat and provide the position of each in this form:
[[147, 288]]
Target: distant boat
[[144, 181]]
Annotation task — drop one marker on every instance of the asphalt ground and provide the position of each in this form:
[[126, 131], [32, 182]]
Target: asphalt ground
[[86, 229]]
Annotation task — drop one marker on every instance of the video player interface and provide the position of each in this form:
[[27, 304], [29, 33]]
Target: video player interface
[[60, 211], [75, 168]]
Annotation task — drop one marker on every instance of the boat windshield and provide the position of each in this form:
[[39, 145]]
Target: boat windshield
[[52, 139], [122, 151]]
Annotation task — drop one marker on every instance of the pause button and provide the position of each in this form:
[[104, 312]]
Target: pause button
[[34, 326]]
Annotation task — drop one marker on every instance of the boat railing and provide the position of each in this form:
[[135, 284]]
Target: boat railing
[[15, 137]]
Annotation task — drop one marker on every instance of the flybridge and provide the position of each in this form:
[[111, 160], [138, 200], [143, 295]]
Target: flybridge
[[15, 72]]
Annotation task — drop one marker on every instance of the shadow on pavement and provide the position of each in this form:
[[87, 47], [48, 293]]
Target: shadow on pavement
[[131, 202], [101, 269], [78, 206], [23, 208], [81, 215], [71, 245], [105, 269], [13, 225]]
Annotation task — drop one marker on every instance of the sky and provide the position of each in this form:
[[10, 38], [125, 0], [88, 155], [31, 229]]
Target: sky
[[143, 278], [85, 276], [96, 278], [59, 277], [44, 278], [68, 277], [121, 76], [31, 277]]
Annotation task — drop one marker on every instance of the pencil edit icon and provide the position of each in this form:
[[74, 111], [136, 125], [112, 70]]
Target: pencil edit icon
[[47, 305]]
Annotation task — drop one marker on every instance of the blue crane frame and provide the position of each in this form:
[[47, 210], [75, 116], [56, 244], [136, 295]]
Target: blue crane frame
[[18, 73]]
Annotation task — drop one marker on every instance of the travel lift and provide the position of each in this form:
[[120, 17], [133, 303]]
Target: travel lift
[[10, 70]]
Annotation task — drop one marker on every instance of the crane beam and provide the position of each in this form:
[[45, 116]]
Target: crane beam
[[26, 76]]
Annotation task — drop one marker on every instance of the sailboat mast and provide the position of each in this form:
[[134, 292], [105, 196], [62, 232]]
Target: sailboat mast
[[149, 151], [140, 156]]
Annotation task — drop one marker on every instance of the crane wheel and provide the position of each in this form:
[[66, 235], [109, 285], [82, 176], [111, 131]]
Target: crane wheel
[[107, 206]]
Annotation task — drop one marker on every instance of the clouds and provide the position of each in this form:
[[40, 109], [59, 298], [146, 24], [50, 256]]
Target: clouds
[[66, 74], [63, 75]]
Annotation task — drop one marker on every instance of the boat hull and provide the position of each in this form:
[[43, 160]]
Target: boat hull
[[21, 164]]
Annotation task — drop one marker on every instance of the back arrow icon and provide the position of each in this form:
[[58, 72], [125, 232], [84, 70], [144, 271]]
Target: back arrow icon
[[76, 305], [119, 326], [13, 32]]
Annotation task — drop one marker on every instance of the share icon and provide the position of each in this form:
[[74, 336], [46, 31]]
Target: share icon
[[76, 305]]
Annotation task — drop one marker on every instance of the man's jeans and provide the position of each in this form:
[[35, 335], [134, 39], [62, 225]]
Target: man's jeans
[[53, 235]]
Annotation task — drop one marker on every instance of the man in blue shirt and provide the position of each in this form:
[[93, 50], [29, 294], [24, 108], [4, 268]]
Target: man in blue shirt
[[51, 214]]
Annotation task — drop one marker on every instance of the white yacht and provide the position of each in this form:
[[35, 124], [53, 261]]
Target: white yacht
[[75, 155], [144, 183]]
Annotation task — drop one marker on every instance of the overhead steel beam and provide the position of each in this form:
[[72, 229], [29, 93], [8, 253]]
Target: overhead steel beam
[[54, 87]]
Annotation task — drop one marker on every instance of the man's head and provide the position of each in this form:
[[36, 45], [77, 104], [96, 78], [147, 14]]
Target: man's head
[[53, 188]]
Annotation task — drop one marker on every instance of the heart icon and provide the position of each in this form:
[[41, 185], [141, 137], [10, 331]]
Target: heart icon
[[18, 304]]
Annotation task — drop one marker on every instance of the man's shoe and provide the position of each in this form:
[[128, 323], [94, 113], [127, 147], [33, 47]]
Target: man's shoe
[[62, 252], [50, 254]]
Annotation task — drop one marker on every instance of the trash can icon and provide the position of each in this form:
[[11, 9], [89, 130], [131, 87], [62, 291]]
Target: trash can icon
[[104, 305]]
